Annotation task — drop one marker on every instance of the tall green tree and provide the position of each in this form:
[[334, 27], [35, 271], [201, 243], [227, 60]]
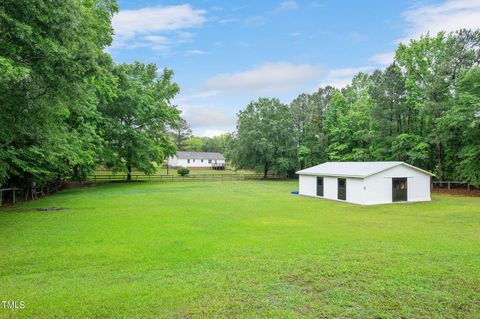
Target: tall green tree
[[348, 124], [389, 111], [264, 139], [137, 119], [193, 144], [461, 127], [422, 109], [336, 128], [432, 67], [181, 133], [308, 114], [52, 74], [216, 143]]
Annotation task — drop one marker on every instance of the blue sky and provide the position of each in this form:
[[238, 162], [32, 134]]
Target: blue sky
[[227, 53]]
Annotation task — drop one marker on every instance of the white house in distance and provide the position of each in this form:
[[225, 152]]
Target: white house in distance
[[197, 160], [366, 183]]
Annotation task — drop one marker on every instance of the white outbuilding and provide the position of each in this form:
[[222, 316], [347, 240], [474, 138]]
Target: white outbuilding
[[366, 183]]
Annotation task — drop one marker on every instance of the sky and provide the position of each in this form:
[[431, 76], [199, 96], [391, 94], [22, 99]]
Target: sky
[[228, 53]]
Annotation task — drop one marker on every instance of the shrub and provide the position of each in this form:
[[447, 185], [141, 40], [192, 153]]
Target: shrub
[[183, 171]]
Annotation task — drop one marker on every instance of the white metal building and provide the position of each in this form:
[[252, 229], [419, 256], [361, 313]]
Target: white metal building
[[197, 160], [366, 183]]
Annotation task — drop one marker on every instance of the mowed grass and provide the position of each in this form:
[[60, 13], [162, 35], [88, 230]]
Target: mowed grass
[[238, 249]]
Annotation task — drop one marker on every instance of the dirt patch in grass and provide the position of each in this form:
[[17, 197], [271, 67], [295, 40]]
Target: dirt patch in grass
[[49, 209]]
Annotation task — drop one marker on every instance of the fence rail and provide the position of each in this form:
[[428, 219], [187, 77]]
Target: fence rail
[[451, 184], [30, 193], [13, 190], [178, 178]]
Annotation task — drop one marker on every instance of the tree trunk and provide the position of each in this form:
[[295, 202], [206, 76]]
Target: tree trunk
[[390, 124], [399, 124], [265, 171], [129, 174], [440, 155]]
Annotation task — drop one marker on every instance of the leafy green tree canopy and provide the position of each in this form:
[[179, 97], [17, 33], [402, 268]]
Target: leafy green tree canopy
[[137, 119], [181, 133], [193, 144], [52, 66], [264, 139]]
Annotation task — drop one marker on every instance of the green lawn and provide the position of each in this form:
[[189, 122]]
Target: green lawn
[[238, 249]]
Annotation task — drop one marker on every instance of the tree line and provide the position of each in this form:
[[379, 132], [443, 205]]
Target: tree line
[[423, 109], [65, 106]]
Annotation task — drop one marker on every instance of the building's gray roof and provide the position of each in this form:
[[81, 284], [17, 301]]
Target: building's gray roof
[[353, 169], [200, 155]]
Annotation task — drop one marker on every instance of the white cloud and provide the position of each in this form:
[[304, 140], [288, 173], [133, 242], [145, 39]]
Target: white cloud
[[340, 78], [383, 58], [203, 95], [194, 52], [278, 77], [184, 36], [287, 5], [146, 27], [207, 120], [156, 19], [185, 99], [157, 42], [212, 133], [448, 16]]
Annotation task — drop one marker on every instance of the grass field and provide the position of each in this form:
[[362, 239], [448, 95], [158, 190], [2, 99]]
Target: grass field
[[238, 249]]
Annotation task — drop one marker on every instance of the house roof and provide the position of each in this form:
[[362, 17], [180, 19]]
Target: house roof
[[200, 155], [354, 169]]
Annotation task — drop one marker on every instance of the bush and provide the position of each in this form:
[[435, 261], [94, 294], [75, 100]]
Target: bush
[[183, 171]]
